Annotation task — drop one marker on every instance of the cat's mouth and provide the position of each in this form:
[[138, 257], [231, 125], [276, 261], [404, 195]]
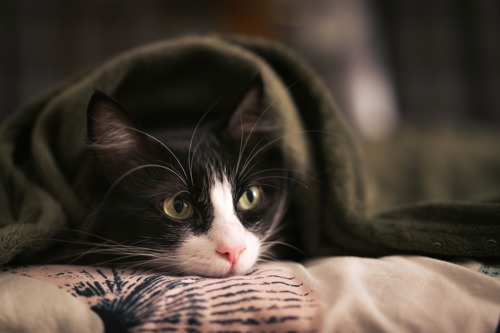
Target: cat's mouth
[[204, 257], [222, 268]]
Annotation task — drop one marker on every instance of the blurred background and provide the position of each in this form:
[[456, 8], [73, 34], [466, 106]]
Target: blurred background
[[388, 63], [411, 76]]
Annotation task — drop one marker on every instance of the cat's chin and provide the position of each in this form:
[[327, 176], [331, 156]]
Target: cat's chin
[[217, 270], [218, 273]]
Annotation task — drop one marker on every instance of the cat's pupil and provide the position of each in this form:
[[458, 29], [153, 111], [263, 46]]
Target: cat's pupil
[[250, 195], [178, 206]]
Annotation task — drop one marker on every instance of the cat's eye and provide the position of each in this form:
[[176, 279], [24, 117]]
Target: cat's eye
[[177, 208], [250, 198]]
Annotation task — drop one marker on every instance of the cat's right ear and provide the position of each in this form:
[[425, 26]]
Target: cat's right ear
[[113, 134], [249, 122]]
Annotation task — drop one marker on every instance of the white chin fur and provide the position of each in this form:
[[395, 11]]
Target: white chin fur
[[198, 256]]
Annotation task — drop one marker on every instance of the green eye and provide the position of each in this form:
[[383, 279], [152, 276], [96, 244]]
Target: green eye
[[250, 198], [177, 208]]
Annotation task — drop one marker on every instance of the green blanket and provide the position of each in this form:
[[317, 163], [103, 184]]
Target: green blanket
[[41, 145]]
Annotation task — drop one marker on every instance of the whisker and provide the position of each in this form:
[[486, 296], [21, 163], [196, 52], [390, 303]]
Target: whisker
[[279, 213], [285, 170], [191, 158], [288, 194], [273, 243], [83, 232], [164, 146], [200, 141], [253, 154], [103, 246], [240, 153], [267, 109], [171, 265], [145, 263], [281, 177], [129, 172]]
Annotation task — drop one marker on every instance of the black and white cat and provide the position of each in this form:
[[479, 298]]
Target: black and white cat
[[201, 200]]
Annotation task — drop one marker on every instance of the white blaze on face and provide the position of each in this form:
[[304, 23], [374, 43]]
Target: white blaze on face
[[228, 248]]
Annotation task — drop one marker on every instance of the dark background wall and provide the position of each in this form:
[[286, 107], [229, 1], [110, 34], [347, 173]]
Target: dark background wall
[[445, 56], [387, 62]]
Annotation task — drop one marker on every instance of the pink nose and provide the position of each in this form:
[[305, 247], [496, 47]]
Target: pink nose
[[230, 252]]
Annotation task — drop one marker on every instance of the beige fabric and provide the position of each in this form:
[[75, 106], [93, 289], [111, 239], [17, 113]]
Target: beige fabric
[[271, 299], [404, 294], [334, 294], [32, 306]]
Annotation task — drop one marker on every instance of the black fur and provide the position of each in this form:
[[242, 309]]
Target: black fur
[[129, 173]]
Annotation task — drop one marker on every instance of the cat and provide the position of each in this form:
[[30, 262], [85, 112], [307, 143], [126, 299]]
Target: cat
[[194, 200]]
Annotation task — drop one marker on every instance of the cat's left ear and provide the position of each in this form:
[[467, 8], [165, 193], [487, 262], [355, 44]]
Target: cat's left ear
[[250, 122], [109, 125], [113, 134]]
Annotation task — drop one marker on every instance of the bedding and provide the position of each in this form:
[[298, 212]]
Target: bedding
[[334, 294], [31, 305]]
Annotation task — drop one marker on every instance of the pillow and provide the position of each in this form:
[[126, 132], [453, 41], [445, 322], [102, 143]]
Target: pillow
[[266, 299]]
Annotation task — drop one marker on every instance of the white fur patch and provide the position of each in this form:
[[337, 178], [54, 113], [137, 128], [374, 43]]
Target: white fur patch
[[228, 248]]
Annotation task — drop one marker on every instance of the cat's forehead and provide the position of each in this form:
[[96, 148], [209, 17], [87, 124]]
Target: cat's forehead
[[202, 163], [221, 192], [178, 135], [214, 171]]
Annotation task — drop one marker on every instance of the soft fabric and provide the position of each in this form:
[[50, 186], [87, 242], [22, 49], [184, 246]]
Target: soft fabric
[[336, 294], [32, 306], [405, 294], [269, 299], [41, 146]]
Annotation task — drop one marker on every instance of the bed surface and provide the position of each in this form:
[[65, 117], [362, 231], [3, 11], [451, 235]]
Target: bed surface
[[334, 294]]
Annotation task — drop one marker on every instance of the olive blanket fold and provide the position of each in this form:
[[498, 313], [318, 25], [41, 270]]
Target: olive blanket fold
[[41, 148]]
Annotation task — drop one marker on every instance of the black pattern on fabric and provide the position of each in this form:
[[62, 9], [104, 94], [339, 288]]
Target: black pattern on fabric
[[134, 301]]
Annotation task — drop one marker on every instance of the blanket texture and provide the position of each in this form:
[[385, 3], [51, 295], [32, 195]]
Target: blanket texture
[[41, 147]]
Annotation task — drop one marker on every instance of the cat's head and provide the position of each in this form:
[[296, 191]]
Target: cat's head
[[197, 200]]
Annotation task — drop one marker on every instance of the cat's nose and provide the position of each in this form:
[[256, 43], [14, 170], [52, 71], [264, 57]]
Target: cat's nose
[[230, 252]]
